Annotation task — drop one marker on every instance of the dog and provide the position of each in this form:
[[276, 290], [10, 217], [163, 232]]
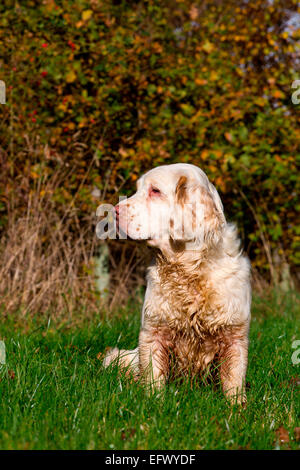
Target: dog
[[197, 305]]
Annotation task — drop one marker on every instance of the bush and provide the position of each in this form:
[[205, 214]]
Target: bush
[[109, 89]]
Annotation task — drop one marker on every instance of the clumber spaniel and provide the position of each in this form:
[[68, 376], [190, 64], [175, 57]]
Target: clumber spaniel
[[198, 296]]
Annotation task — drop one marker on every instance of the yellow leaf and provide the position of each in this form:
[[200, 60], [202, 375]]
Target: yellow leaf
[[86, 15], [208, 47], [214, 76], [71, 76], [260, 101]]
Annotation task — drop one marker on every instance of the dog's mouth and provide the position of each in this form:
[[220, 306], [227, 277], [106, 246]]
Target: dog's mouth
[[122, 234]]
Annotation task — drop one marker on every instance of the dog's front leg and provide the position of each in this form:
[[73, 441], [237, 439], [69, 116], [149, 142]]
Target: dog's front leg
[[234, 358], [153, 356]]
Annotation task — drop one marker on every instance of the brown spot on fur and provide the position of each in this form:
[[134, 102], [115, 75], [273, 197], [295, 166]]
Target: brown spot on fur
[[180, 191], [177, 245], [206, 200], [194, 218]]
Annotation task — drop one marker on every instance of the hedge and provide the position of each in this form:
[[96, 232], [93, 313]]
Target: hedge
[[109, 89]]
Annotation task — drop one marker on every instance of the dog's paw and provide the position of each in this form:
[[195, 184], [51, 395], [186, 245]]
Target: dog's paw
[[112, 355]]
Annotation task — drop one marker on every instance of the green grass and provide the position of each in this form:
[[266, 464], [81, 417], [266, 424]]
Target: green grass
[[56, 395]]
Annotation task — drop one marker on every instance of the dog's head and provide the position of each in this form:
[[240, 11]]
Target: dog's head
[[174, 205]]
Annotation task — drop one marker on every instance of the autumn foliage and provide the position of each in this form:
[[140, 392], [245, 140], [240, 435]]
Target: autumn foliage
[[104, 90]]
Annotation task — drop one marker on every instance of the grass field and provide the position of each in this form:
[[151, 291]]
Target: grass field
[[56, 395]]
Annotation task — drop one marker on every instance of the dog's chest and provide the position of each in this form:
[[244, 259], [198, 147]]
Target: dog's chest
[[184, 304], [184, 311]]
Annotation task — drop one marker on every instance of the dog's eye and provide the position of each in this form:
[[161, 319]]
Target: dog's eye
[[154, 192]]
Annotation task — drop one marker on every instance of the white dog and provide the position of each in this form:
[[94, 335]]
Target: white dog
[[198, 296]]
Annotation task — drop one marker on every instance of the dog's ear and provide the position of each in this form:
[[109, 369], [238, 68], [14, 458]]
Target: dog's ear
[[198, 212], [181, 196], [217, 201], [208, 213], [178, 220]]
